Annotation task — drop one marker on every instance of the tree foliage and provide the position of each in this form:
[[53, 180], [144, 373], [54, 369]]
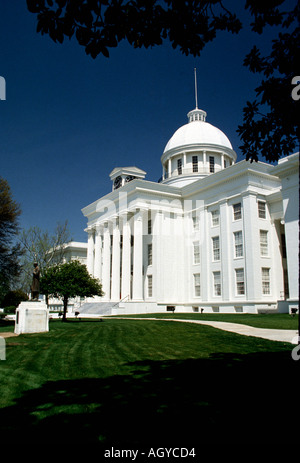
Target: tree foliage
[[270, 125], [42, 247], [102, 24], [9, 251], [13, 298], [271, 122], [69, 280]]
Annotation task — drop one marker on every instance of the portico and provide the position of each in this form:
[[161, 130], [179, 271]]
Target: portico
[[115, 255]]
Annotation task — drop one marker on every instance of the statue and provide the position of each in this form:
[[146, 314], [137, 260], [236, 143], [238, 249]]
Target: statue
[[35, 287]]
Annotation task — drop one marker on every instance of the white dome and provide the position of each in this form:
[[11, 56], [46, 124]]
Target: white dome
[[197, 149], [197, 132]]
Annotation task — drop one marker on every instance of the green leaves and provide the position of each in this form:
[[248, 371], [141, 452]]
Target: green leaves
[[270, 127], [100, 25], [69, 280]]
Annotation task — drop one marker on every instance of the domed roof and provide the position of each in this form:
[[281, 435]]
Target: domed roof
[[197, 131]]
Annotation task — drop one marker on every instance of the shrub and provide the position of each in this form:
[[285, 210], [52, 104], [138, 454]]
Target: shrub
[[13, 298]]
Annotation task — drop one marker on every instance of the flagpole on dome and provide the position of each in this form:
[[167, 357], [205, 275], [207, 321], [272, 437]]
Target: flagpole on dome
[[196, 93]]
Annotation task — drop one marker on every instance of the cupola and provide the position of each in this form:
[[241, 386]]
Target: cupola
[[122, 175]]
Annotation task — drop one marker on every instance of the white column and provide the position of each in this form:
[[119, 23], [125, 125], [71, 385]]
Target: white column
[[157, 283], [205, 276], [115, 274], [184, 163], [98, 252], [126, 264], [226, 258], [137, 286], [290, 194], [222, 161], [90, 251], [252, 273], [106, 263], [204, 162], [169, 168]]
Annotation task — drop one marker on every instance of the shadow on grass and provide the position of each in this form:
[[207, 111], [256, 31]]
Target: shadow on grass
[[227, 398]]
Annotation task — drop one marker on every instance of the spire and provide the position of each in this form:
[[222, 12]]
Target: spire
[[197, 114], [196, 93]]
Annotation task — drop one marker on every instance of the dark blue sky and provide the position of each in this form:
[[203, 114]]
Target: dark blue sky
[[68, 120]]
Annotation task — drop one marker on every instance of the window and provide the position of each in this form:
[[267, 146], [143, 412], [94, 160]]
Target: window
[[149, 254], [195, 219], [197, 285], [240, 283], [196, 252], [216, 248], [149, 285], [215, 217], [237, 211], [238, 244], [211, 164], [195, 163], [261, 209], [217, 283], [263, 242], [238, 308], [179, 166], [265, 277], [225, 163]]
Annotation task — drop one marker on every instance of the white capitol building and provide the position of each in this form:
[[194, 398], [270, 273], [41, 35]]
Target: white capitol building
[[211, 235]]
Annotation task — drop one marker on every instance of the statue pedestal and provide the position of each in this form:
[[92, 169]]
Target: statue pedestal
[[32, 317]]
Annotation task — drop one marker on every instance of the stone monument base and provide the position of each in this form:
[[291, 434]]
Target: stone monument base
[[32, 317]]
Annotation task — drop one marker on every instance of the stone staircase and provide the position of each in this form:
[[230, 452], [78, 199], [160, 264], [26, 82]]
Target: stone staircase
[[97, 308]]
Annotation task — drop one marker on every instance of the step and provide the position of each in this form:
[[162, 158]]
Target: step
[[97, 308]]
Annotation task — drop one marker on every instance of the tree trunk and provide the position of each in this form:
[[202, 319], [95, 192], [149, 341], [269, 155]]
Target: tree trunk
[[64, 319]]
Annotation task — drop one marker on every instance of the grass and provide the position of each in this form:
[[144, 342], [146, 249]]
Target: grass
[[136, 383], [272, 321]]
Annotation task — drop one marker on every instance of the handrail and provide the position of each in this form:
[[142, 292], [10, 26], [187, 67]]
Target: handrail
[[121, 300]]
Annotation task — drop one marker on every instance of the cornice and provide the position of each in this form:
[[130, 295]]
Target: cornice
[[227, 175]]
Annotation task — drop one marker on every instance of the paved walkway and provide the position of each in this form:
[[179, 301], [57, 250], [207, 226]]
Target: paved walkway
[[7, 334], [246, 330]]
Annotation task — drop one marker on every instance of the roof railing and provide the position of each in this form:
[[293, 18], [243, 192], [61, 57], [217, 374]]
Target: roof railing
[[190, 171]]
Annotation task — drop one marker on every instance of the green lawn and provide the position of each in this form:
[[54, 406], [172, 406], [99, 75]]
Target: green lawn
[[133, 383], [273, 321]]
